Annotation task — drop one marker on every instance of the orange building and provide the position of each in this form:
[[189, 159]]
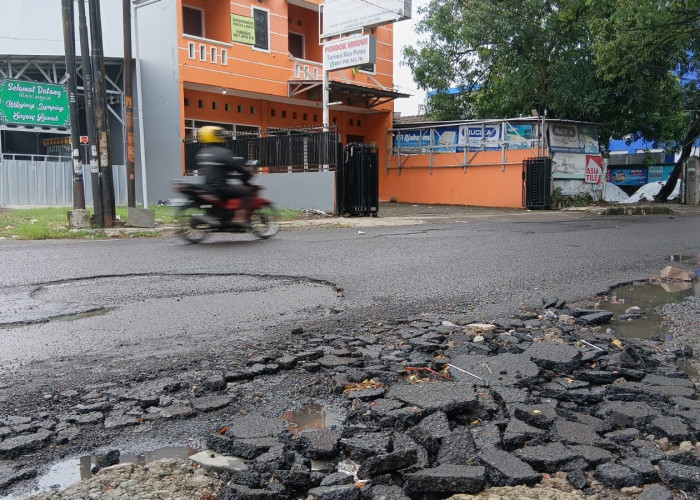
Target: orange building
[[252, 66]]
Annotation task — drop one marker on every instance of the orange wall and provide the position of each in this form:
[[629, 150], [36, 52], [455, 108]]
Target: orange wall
[[268, 71], [371, 126], [491, 185]]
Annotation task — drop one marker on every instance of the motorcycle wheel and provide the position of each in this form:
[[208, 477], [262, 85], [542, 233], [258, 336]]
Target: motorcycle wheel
[[190, 228], [264, 222]]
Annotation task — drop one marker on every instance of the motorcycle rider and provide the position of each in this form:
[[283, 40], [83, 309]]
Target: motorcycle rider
[[217, 164]]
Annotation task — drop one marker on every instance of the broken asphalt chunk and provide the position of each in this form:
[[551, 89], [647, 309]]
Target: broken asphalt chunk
[[433, 396], [446, 479]]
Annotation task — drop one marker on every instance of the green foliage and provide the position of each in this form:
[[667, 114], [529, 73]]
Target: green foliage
[[609, 62]]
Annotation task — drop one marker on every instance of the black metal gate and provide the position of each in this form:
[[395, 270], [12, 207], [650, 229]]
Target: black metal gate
[[537, 183], [280, 150], [357, 181]]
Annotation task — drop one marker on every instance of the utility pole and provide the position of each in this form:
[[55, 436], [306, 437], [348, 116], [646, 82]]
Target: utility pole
[[129, 106], [101, 119], [69, 44], [90, 114]]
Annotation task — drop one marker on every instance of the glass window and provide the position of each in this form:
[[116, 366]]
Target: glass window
[[260, 18], [192, 21]]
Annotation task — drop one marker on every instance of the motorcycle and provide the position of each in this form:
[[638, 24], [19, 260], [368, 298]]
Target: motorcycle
[[203, 213]]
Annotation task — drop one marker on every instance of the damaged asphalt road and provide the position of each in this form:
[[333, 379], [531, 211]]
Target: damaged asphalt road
[[168, 343]]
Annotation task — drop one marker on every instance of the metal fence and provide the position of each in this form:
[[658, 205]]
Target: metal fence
[[281, 150], [48, 180]]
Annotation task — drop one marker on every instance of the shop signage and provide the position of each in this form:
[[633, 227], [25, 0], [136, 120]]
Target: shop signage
[[572, 138], [33, 103], [349, 52], [242, 29], [594, 169]]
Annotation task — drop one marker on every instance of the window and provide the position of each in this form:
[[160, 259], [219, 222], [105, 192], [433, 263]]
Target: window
[[202, 52], [192, 21], [227, 107], [224, 57], [213, 53], [367, 68], [260, 18], [191, 51], [296, 45]]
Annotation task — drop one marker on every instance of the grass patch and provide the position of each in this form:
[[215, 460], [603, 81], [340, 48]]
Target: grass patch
[[48, 223]]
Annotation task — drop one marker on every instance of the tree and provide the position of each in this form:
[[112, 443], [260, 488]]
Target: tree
[[559, 56], [648, 40]]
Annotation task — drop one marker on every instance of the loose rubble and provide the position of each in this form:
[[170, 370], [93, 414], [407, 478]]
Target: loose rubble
[[547, 404]]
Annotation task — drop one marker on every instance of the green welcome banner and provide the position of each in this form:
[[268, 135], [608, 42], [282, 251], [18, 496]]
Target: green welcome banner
[[33, 103], [242, 29]]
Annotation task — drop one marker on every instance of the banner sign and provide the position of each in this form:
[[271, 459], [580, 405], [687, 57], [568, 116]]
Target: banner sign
[[519, 136], [659, 173], [348, 52], [461, 138], [594, 169], [478, 137], [627, 176], [412, 139], [242, 29], [346, 16], [33, 103], [572, 138], [445, 139]]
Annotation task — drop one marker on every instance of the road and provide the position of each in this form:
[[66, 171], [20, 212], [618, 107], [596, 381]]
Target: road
[[133, 298]]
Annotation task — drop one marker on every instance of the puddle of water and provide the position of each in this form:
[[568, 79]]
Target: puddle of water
[[67, 472], [647, 296], [311, 417]]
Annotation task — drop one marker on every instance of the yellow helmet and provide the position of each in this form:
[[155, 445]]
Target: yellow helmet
[[211, 134]]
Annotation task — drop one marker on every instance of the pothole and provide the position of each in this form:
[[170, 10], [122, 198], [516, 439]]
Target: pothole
[[313, 416], [624, 300], [81, 298]]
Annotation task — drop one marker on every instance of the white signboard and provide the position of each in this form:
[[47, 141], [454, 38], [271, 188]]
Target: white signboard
[[349, 52], [346, 16]]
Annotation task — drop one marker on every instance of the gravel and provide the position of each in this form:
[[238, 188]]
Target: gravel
[[180, 479]]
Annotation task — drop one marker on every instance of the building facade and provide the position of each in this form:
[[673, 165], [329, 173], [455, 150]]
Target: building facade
[[254, 67]]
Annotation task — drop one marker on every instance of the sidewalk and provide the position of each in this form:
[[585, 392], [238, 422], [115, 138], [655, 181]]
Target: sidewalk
[[406, 214]]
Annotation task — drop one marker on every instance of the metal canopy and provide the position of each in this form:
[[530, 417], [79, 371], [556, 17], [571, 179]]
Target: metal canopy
[[349, 93]]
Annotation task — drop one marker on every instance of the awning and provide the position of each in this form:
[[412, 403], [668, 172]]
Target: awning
[[349, 93]]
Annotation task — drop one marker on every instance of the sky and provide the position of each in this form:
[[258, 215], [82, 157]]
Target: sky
[[403, 79]]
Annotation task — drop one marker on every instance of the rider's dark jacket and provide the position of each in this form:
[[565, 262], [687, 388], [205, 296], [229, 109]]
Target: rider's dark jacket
[[218, 164]]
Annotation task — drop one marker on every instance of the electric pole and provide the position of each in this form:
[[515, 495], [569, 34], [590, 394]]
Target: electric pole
[[129, 106], [69, 44], [106, 184], [90, 114]]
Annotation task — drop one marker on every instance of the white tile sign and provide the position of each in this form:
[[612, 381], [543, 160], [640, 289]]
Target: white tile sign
[[349, 52]]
